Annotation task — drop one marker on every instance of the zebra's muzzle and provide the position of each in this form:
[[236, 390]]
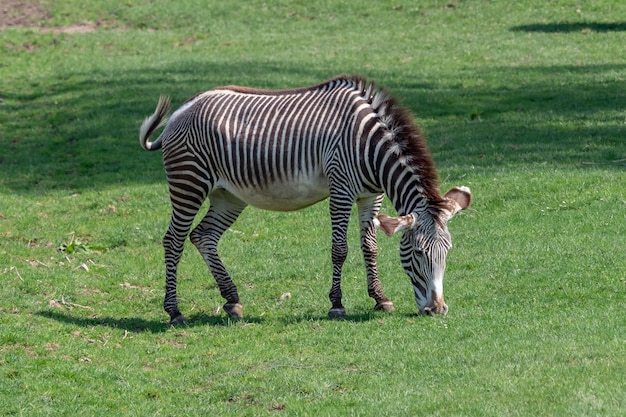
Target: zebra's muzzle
[[436, 305], [432, 310]]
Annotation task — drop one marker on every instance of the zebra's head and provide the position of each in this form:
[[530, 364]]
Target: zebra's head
[[424, 246]]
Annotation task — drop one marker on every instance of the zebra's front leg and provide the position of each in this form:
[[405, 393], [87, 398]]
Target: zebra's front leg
[[224, 210], [368, 208], [339, 215]]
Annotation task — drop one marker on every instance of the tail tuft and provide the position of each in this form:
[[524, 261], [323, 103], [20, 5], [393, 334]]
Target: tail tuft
[[152, 123]]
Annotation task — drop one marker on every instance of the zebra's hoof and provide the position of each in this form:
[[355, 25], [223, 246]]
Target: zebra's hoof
[[234, 310], [384, 306], [180, 319], [337, 313]]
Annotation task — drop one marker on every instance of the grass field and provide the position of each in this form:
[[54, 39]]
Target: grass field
[[525, 102]]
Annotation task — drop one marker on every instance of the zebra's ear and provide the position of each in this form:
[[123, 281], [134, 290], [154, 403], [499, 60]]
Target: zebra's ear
[[391, 225], [460, 199]]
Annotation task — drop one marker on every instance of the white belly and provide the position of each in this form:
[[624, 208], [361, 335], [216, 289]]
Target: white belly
[[286, 195]]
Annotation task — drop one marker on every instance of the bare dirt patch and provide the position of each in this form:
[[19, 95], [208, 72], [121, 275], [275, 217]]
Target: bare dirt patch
[[31, 14], [84, 27], [21, 13]]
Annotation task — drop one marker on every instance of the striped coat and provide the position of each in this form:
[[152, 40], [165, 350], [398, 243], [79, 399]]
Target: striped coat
[[288, 149]]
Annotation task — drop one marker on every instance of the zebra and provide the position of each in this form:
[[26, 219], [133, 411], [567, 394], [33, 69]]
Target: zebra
[[344, 139]]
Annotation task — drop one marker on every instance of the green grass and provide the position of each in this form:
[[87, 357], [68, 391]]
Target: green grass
[[522, 101]]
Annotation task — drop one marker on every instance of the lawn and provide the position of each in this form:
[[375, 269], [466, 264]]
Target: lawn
[[524, 102]]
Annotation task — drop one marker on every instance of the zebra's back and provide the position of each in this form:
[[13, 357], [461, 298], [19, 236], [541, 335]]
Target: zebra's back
[[273, 150]]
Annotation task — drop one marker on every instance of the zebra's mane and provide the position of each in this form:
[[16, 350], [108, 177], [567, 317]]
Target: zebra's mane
[[405, 136]]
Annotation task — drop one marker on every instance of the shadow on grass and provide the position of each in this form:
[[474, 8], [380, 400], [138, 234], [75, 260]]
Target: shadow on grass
[[139, 325], [79, 131], [566, 27], [359, 317]]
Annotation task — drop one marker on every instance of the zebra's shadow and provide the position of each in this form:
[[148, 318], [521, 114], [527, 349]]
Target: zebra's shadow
[[356, 317], [140, 325]]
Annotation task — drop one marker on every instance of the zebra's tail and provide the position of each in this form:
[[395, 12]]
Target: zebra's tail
[[152, 123]]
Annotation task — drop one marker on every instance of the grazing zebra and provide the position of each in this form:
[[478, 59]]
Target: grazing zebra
[[288, 149]]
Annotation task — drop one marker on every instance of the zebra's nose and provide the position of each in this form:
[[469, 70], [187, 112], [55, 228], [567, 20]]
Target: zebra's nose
[[444, 309], [431, 310]]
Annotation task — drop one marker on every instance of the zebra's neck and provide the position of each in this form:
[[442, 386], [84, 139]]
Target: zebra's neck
[[395, 156]]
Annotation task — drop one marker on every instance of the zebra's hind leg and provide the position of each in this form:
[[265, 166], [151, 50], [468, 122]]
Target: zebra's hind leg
[[224, 210], [368, 208], [173, 244]]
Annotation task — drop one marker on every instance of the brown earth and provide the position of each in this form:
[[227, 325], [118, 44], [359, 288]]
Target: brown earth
[[21, 13]]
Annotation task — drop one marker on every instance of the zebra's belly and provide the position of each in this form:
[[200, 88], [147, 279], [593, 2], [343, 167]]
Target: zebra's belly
[[283, 195]]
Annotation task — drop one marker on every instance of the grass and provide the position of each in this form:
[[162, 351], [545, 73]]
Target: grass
[[522, 102]]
